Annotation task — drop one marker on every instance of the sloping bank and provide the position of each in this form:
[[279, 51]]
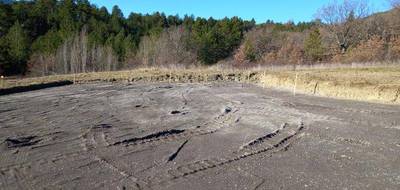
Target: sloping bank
[[380, 85], [139, 75]]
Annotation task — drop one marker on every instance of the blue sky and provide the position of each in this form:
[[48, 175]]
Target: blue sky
[[261, 10]]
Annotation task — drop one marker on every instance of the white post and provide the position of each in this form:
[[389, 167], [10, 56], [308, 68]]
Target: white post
[[2, 81], [263, 81], [295, 84]]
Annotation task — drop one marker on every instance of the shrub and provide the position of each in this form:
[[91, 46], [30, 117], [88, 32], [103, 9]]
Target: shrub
[[368, 51]]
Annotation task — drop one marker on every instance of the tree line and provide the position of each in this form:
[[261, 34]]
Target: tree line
[[44, 37], [343, 32], [70, 36]]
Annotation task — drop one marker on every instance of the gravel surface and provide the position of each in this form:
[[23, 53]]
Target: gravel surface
[[194, 136]]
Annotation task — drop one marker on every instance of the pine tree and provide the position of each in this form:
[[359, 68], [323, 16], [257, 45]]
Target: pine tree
[[99, 32], [4, 60], [313, 46], [129, 45], [5, 18], [66, 17], [17, 42], [48, 43], [118, 45], [116, 21]]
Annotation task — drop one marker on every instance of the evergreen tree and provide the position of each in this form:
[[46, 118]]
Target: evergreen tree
[[118, 45], [116, 21], [17, 42], [6, 20], [5, 65], [41, 18], [66, 17], [103, 14], [129, 45], [135, 26], [84, 11], [48, 43], [216, 40], [98, 32], [313, 47]]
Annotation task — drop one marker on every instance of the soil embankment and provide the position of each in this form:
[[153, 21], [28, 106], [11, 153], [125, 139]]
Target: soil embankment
[[381, 85], [373, 85]]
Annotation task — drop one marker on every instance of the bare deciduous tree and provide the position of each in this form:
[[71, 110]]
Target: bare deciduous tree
[[343, 20], [166, 49], [394, 3], [75, 56]]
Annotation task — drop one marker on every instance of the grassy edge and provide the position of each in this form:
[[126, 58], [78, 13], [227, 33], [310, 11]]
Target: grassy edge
[[383, 87], [380, 85]]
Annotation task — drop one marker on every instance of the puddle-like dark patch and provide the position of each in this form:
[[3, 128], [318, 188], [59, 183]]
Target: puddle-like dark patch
[[166, 87], [175, 112], [16, 142], [227, 110], [237, 120], [102, 126], [140, 106]]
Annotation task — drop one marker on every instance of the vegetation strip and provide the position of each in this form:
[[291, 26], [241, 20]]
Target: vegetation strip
[[372, 84]]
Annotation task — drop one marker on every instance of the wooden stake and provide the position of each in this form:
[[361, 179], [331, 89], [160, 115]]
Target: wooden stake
[[295, 85]]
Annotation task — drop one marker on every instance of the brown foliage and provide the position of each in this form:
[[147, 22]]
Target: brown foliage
[[290, 51], [270, 58], [394, 49], [240, 56], [368, 51]]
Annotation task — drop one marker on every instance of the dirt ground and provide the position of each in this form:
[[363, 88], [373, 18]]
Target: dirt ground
[[194, 136]]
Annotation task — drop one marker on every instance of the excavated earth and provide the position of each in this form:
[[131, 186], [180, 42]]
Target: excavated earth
[[194, 136]]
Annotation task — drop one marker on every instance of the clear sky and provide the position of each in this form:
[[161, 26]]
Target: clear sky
[[260, 10]]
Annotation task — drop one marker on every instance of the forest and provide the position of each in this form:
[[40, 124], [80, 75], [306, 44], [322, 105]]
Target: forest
[[46, 37]]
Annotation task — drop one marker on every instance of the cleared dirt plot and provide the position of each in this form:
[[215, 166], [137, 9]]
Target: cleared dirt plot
[[194, 136]]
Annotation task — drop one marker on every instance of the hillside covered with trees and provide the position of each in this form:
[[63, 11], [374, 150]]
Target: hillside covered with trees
[[44, 37]]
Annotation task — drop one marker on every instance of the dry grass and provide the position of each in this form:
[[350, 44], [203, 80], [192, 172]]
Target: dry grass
[[375, 84], [145, 75], [365, 84]]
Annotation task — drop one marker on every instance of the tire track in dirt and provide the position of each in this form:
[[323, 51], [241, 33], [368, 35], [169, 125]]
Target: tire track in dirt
[[16, 176], [96, 143], [264, 138], [225, 119], [271, 143]]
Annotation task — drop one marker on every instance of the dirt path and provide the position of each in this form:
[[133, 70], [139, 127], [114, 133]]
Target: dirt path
[[197, 136]]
